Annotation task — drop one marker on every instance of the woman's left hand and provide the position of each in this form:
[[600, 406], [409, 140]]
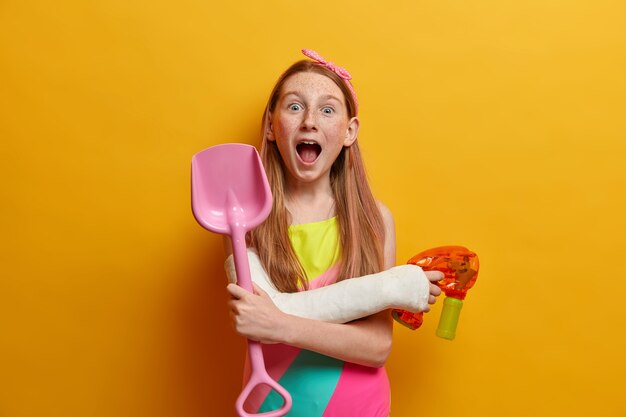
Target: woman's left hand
[[254, 315]]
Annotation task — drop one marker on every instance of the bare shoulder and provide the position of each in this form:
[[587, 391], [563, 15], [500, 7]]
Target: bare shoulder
[[386, 214], [390, 235]]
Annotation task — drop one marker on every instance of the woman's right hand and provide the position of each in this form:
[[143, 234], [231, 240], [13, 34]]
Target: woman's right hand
[[254, 315]]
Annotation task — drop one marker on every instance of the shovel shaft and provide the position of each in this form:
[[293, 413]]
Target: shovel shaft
[[258, 375], [238, 236]]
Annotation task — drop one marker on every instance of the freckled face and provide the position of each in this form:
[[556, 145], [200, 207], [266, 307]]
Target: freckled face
[[310, 125]]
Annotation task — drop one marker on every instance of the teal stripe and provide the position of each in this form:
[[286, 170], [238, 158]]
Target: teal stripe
[[311, 380]]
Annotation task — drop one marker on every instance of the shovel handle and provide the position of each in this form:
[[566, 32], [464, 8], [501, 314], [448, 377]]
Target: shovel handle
[[259, 374]]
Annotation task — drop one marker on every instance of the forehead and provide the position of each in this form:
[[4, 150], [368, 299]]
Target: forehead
[[311, 84]]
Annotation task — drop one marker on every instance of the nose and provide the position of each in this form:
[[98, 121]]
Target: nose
[[309, 121]]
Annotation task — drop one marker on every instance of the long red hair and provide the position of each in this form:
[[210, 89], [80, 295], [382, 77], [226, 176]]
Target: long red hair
[[361, 227]]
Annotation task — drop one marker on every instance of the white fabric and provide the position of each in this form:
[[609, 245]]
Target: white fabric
[[405, 287]]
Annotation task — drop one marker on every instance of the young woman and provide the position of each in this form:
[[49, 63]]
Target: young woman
[[325, 227]]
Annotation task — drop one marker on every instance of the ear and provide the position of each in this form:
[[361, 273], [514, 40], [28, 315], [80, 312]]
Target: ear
[[269, 132], [352, 132]]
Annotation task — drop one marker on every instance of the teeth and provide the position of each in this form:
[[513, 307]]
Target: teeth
[[308, 142]]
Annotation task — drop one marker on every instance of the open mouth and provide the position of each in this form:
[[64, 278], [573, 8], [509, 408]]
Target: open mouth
[[308, 151]]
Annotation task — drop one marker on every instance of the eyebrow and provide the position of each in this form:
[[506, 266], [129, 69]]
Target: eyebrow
[[324, 97]]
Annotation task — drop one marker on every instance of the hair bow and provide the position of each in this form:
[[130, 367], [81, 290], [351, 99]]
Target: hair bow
[[341, 72], [334, 68]]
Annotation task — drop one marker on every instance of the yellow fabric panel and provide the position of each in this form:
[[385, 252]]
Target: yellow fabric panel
[[316, 245]]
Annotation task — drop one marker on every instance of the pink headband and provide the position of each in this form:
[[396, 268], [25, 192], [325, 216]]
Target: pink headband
[[341, 72]]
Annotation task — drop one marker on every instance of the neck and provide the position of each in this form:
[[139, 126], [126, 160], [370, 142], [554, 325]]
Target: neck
[[309, 202]]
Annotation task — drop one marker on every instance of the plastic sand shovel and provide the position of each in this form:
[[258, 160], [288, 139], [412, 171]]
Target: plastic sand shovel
[[230, 195]]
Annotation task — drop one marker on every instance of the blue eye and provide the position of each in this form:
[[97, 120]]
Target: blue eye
[[294, 107], [328, 110]]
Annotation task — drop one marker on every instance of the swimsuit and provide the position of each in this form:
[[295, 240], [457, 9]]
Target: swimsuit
[[320, 386]]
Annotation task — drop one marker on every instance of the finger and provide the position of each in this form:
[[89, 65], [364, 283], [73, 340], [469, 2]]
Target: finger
[[434, 276], [236, 291], [432, 299], [435, 290], [232, 306], [233, 318]]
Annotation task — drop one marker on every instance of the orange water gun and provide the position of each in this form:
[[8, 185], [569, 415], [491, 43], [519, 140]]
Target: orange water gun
[[460, 268]]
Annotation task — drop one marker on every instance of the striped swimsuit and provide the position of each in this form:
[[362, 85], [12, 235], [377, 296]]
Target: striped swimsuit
[[320, 386]]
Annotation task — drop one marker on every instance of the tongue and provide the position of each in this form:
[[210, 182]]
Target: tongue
[[308, 153]]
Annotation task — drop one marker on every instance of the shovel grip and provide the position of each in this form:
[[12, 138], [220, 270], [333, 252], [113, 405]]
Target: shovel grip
[[258, 375]]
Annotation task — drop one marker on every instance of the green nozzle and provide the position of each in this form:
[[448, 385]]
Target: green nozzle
[[449, 318]]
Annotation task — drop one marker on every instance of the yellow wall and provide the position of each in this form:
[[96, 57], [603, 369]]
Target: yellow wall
[[496, 125]]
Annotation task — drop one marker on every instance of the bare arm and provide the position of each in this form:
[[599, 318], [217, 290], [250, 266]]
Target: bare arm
[[257, 318], [366, 341]]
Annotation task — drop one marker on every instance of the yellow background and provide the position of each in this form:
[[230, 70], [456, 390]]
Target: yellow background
[[499, 125]]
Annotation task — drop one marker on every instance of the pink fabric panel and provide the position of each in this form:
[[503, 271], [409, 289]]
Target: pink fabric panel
[[327, 278], [361, 391]]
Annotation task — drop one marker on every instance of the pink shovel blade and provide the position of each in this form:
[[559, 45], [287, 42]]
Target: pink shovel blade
[[233, 169]]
